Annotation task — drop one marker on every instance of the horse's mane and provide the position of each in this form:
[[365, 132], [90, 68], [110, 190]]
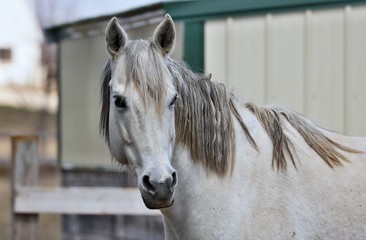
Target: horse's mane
[[205, 113], [273, 121], [104, 98], [204, 116]]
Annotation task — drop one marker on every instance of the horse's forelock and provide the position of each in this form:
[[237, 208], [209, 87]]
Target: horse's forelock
[[145, 71]]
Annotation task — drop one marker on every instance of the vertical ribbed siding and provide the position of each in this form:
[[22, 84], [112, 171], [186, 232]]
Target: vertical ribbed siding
[[310, 61], [82, 62]]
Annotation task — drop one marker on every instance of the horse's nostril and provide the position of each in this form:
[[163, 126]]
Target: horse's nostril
[[174, 175], [162, 187], [146, 182]]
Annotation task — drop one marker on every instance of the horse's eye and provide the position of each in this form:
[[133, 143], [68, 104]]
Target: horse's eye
[[120, 102], [172, 102]]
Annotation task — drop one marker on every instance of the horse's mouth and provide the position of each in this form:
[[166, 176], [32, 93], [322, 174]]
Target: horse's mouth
[[159, 205]]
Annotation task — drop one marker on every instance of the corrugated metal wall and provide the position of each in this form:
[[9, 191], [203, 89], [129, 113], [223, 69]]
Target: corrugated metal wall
[[82, 61], [313, 62]]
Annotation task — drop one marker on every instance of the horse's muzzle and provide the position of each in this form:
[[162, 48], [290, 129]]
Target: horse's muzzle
[[158, 193]]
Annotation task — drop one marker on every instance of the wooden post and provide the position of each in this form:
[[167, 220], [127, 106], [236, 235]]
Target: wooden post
[[24, 173]]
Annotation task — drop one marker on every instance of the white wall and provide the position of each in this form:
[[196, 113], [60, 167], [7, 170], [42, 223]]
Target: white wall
[[313, 62], [20, 32]]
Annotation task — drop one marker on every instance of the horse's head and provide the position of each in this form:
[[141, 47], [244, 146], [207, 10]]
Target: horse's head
[[140, 125]]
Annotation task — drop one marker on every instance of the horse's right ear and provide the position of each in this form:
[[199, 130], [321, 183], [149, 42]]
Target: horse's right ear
[[115, 37]]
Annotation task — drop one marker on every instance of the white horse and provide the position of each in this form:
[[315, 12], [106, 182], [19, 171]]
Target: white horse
[[245, 171]]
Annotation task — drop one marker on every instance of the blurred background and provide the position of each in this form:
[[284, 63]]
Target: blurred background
[[307, 55]]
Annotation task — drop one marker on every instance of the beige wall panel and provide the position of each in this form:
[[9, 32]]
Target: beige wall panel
[[356, 71], [246, 57], [82, 63], [325, 68], [285, 60], [215, 50], [312, 62]]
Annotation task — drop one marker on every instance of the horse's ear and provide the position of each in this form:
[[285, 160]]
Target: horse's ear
[[115, 37], [164, 35]]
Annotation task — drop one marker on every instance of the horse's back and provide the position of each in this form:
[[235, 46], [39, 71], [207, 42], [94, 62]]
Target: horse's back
[[309, 201], [335, 198]]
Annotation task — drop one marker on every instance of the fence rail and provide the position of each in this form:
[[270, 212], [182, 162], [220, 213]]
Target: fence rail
[[80, 200], [30, 200]]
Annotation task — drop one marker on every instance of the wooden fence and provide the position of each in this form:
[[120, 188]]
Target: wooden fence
[[30, 200]]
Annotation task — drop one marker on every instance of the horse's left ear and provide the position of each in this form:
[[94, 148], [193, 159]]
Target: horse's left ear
[[164, 35]]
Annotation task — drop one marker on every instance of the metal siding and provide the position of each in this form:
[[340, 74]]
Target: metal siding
[[82, 62], [234, 54], [325, 68], [215, 49], [193, 45], [356, 71], [246, 57], [310, 61], [285, 60], [210, 9]]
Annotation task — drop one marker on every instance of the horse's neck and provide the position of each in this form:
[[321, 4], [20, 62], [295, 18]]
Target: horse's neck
[[205, 201], [201, 192], [196, 186], [240, 203]]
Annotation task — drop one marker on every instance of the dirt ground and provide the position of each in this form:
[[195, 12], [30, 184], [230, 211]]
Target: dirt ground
[[49, 225]]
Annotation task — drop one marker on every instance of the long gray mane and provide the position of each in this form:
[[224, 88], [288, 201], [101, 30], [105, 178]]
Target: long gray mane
[[204, 116]]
